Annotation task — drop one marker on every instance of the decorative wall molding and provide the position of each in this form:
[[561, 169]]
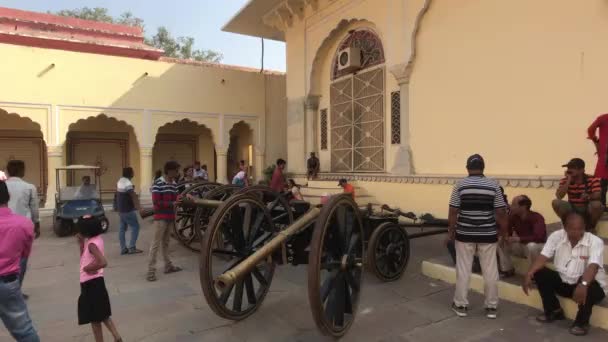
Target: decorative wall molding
[[407, 71], [546, 182], [282, 15]]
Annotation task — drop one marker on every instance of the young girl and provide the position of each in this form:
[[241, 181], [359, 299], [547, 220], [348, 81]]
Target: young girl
[[94, 302], [295, 190]]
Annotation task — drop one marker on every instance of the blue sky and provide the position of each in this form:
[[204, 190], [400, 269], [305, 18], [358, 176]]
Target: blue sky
[[201, 19]]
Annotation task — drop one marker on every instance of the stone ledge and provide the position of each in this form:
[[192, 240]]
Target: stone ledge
[[547, 182]]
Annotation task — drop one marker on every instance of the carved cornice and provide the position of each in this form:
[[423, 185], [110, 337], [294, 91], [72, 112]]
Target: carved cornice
[[546, 182], [54, 150], [281, 17]]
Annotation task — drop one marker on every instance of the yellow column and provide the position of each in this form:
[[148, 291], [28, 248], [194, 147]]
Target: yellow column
[[259, 164], [145, 172], [311, 105], [54, 160], [222, 161]]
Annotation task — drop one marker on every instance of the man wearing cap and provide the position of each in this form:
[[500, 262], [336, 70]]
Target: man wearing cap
[[477, 216], [583, 194], [348, 188]]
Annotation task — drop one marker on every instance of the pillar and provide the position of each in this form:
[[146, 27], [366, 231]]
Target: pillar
[[312, 105], [403, 164], [54, 160], [222, 162], [260, 158], [145, 173]]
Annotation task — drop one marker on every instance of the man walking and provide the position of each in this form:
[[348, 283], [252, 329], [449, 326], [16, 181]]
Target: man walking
[[477, 212], [16, 238], [583, 192], [127, 205], [277, 182], [23, 201], [527, 235], [164, 195], [578, 257]]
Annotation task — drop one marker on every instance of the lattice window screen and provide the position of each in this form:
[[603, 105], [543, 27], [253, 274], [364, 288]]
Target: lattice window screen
[[323, 129], [396, 117]]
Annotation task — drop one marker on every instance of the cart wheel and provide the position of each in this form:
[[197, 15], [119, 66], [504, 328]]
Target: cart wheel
[[240, 226], [388, 251], [335, 266], [183, 229], [62, 227], [277, 204], [105, 225]]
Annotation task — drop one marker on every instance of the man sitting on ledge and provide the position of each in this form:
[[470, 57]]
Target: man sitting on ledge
[[583, 194], [578, 257], [527, 234]]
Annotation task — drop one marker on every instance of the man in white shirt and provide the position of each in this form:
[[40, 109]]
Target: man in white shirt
[[23, 201], [578, 257], [200, 173]]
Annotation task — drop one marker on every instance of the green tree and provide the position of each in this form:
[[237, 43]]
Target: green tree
[[180, 47]]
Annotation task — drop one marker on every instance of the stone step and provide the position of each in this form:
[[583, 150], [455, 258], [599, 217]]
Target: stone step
[[325, 183], [510, 289], [312, 191], [361, 200]]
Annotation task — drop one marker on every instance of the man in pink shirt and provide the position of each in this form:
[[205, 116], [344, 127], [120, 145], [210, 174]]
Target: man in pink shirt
[[16, 238], [277, 183]]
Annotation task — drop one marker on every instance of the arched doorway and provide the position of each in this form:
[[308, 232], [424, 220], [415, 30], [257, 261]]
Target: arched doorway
[[21, 139], [357, 105], [240, 148], [104, 142], [185, 142]]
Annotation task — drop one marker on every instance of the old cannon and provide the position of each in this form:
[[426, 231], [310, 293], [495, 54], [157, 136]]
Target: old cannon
[[247, 236]]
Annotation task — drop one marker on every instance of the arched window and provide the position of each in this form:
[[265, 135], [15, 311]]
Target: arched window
[[357, 106], [372, 52]]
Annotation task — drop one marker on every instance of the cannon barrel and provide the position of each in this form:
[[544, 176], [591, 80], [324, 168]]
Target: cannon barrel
[[200, 203], [229, 277], [397, 211]]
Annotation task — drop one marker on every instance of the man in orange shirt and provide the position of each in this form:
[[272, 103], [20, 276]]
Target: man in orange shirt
[[348, 188]]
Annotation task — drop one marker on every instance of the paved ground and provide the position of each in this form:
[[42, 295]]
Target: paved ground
[[173, 308]]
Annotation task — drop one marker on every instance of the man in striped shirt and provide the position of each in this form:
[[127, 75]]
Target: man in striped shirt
[[164, 195], [584, 192], [477, 216]]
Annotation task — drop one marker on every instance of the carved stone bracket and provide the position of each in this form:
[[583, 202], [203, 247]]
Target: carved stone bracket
[[400, 72], [54, 151], [146, 151], [281, 17], [533, 182], [312, 102]]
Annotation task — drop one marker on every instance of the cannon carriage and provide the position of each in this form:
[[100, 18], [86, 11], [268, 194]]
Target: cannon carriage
[[251, 232]]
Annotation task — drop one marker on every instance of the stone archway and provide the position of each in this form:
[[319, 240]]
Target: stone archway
[[22, 139], [184, 141], [240, 148], [105, 142]]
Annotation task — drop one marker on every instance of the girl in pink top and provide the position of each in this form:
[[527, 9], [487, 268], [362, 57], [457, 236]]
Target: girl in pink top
[[94, 302]]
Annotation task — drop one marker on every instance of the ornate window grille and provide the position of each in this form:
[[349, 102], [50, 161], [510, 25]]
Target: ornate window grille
[[372, 52], [396, 117], [324, 129]]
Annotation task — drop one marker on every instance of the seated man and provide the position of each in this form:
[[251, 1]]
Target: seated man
[[348, 188], [86, 190], [312, 166], [527, 234], [583, 194], [578, 257]]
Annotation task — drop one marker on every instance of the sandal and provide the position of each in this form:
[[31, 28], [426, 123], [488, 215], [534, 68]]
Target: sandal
[[557, 315], [579, 330], [151, 276], [172, 269]]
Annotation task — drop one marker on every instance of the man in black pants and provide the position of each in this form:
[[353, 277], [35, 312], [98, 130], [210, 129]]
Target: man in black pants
[[578, 257]]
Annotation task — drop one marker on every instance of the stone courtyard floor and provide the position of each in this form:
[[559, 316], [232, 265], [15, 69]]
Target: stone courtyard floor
[[414, 308]]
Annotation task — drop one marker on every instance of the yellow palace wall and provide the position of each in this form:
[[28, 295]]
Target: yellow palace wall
[[55, 89], [517, 81]]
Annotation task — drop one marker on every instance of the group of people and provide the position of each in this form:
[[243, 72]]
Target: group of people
[[482, 224]]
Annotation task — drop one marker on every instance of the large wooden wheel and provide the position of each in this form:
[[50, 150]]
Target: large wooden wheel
[[335, 266], [276, 203], [388, 251], [240, 226], [184, 228]]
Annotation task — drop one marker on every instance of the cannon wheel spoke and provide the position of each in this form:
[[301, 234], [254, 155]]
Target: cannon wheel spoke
[[239, 223], [388, 251], [334, 266]]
